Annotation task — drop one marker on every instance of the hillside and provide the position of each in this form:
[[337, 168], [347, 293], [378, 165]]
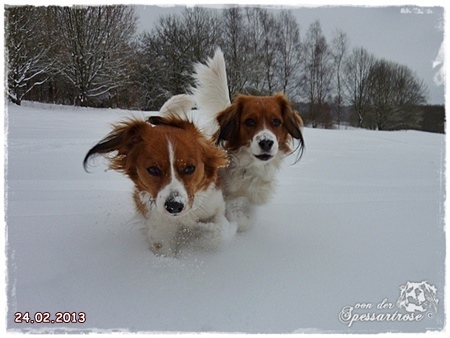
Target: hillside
[[359, 216]]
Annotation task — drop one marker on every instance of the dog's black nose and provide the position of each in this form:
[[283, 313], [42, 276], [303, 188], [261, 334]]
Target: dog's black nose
[[266, 144], [173, 206]]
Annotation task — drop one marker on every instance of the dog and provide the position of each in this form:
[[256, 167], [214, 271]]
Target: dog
[[256, 131], [175, 173]]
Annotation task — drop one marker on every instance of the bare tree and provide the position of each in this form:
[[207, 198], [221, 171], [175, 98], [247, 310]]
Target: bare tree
[[356, 71], [317, 75], [251, 45], [234, 43], [94, 51], [28, 58], [255, 36], [269, 48], [339, 51], [201, 30], [395, 94], [290, 53], [169, 51]]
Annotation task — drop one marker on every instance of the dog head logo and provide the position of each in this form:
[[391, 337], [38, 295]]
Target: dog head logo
[[418, 297]]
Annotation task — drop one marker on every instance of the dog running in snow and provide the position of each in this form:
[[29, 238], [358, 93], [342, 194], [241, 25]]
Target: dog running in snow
[[256, 131], [174, 168]]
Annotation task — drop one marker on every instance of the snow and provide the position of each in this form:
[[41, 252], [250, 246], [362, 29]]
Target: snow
[[359, 216]]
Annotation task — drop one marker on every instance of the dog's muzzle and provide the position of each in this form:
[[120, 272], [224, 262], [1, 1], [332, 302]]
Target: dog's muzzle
[[265, 144], [174, 204]]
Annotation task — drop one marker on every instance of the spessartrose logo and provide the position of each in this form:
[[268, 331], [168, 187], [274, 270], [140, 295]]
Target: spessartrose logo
[[418, 297], [417, 300]]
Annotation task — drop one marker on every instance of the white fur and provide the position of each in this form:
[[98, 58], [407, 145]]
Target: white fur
[[175, 189], [178, 104], [264, 134], [204, 225], [247, 181], [202, 222], [211, 91]]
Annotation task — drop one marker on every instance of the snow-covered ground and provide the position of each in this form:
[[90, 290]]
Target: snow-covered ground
[[358, 217]]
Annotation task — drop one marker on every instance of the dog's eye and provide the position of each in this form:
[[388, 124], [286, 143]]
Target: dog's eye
[[189, 170], [276, 122], [154, 171], [250, 123]]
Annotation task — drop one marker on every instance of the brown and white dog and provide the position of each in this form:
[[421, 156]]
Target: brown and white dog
[[175, 172], [256, 131]]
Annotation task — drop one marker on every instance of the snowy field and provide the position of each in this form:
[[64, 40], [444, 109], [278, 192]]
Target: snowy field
[[358, 217]]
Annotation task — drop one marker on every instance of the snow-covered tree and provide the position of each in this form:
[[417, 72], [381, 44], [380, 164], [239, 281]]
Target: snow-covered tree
[[28, 60], [94, 51]]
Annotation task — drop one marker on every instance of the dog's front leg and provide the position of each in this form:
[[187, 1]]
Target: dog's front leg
[[162, 239], [240, 210]]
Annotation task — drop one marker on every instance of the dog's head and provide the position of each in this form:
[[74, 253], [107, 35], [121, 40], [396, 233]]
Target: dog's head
[[169, 161], [262, 125]]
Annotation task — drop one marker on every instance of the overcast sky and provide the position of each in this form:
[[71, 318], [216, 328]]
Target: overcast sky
[[408, 35]]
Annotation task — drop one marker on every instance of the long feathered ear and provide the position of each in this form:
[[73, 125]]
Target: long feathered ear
[[292, 121], [124, 137], [213, 157], [229, 124]]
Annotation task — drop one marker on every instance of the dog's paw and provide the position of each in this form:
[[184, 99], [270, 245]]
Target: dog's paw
[[163, 250], [162, 243], [229, 229], [214, 234], [240, 211]]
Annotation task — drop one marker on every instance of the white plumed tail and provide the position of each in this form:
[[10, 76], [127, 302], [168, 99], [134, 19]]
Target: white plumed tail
[[178, 105], [210, 95], [211, 86]]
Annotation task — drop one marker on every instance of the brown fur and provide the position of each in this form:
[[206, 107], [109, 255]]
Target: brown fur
[[135, 145], [264, 110]]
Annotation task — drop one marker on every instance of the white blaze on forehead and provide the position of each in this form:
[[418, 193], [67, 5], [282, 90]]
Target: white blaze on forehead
[[172, 160], [175, 190]]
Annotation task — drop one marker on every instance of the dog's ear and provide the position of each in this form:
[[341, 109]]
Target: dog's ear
[[292, 121], [213, 157], [174, 121], [156, 120], [123, 139], [229, 123]]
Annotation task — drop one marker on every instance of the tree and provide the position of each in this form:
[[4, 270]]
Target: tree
[[356, 71], [269, 48], [339, 51], [395, 94], [95, 50], [290, 53], [165, 61], [256, 29], [28, 58], [170, 50], [317, 74], [202, 32], [234, 42]]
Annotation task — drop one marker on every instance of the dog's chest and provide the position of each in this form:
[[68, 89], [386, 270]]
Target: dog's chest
[[257, 183]]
